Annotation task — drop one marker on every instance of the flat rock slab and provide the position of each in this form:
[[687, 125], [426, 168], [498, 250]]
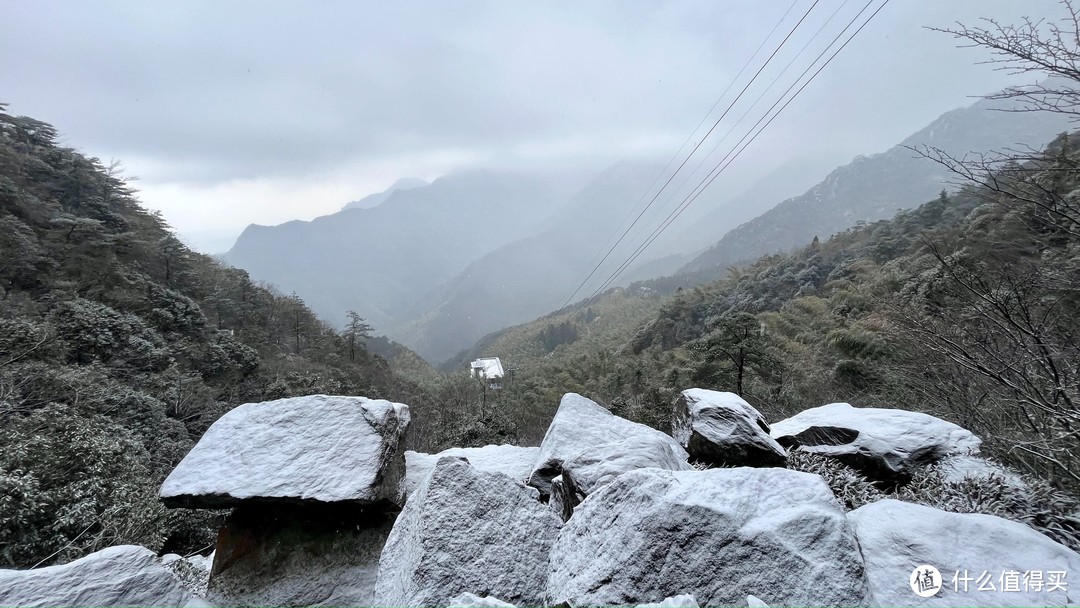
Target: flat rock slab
[[897, 537], [580, 424], [719, 535], [723, 429], [884, 444], [467, 531], [517, 462], [298, 555], [125, 575], [314, 448]]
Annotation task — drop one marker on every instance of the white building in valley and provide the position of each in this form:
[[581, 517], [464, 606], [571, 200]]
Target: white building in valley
[[489, 368]]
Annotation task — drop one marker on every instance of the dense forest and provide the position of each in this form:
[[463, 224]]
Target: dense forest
[[119, 346]]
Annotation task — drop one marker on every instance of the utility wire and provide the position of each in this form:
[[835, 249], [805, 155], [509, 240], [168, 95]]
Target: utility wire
[[722, 165], [754, 104], [674, 156], [711, 129]]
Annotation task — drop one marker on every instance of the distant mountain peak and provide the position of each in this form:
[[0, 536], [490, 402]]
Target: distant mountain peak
[[374, 200]]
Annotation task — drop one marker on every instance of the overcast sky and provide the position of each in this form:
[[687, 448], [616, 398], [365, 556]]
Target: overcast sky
[[232, 113]]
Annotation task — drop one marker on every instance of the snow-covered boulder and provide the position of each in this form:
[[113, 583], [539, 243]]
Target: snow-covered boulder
[[580, 424], [469, 600], [897, 537], [314, 448], [719, 534], [722, 428], [884, 444], [517, 462], [467, 531], [125, 575], [678, 601], [599, 465], [299, 555]]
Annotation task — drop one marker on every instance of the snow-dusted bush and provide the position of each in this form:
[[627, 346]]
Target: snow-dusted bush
[[1024, 499], [850, 487]]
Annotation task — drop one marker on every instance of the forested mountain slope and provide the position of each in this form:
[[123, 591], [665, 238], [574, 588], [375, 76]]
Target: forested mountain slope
[[119, 346], [967, 306], [874, 187]]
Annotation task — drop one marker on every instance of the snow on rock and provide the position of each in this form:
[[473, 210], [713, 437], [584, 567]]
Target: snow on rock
[[579, 424], [896, 537], [884, 444], [719, 534], [299, 555], [517, 462], [678, 601], [125, 575], [753, 602], [597, 466], [960, 468], [318, 448], [722, 428], [468, 600], [467, 531]]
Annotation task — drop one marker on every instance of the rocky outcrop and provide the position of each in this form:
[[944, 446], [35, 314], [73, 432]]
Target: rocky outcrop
[[883, 444], [468, 600], [679, 601], [599, 465], [723, 429], [517, 462], [720, 535], [976, 556], [467, 531], [314, 448], [125, 575], [298, 555], [581, 424]]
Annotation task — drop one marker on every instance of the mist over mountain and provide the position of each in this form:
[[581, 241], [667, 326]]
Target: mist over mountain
[[877, 186], [374, 200], [528, 277], [379, 260]]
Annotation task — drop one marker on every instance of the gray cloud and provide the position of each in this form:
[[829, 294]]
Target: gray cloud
[[203, 93]]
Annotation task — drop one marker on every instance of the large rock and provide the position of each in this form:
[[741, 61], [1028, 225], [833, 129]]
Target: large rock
[[897, 537], [467, 531], [720, 535], [597, 466], [580, 424], [469, 600], [517, 462], [722, 428], [298, 555], [315, 448], [125, 575], [884, 444]]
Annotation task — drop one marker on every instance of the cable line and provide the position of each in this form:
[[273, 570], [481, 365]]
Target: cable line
[[706, 136], [729, 158]]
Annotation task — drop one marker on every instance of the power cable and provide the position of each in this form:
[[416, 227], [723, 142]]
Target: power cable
[[719, 169]]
